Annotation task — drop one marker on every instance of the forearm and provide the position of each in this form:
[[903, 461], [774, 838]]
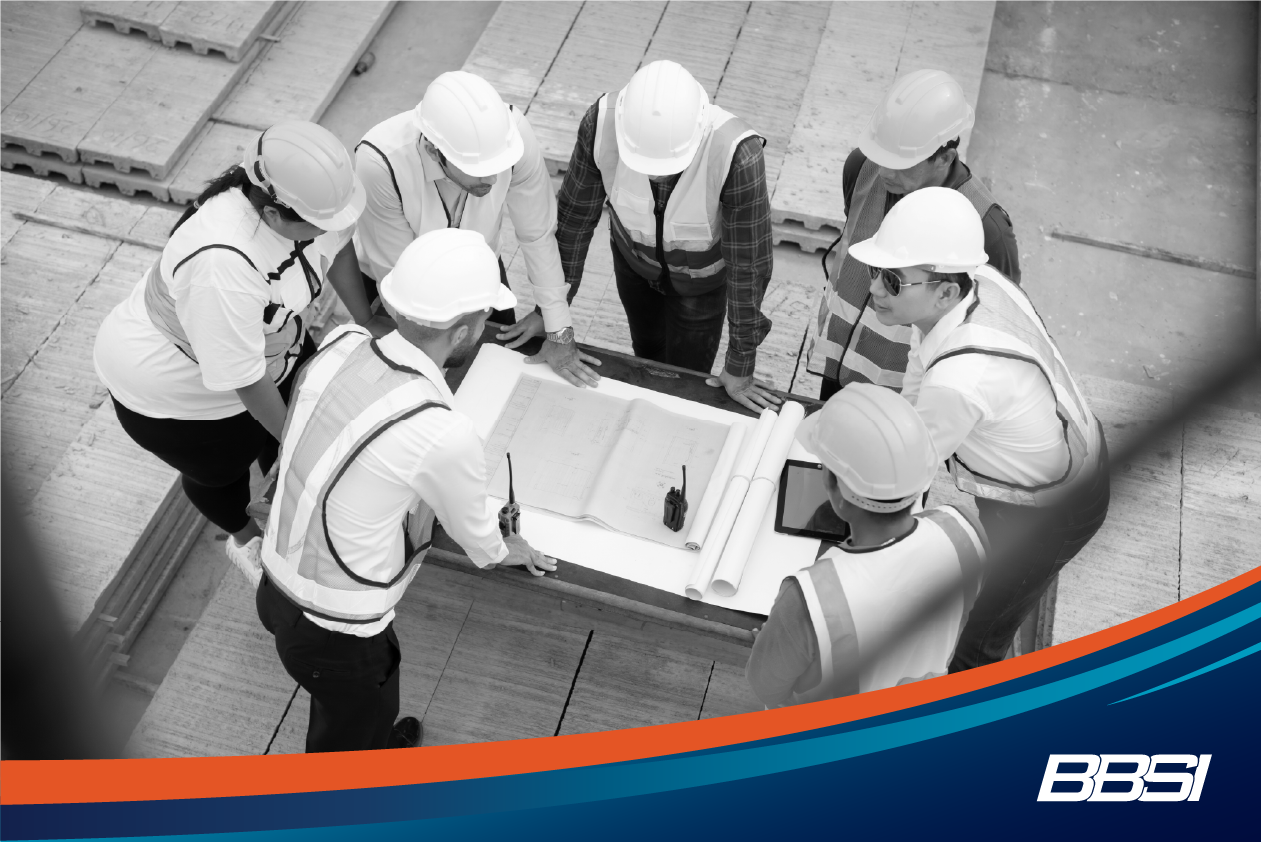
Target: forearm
[[747, 251], [579, 203], [346, 279], [264, 402]]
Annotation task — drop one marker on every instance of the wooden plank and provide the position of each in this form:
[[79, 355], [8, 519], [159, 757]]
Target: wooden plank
[[299, 76], [508, 678], [33, 33], [43, 165], [604, 49], [93, 509], [625, 684], [769, 70], [45, 272], [1221, 504], [146, 17], [216, 147], [954, 37], [226, 27], [518, 45], [227, 691], [728, 693], [160, 113], [700, 37], [46, 407], [19, 193], [58, 108]]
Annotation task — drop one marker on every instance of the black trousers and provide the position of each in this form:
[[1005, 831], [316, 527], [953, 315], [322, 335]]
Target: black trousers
[[353, 681], [213, 457], [681, 330], [499, 317], [1028, 547]]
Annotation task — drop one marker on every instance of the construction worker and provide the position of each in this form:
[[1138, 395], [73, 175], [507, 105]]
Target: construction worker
[[199, 359], [997, 397], [885, 607], [909, 144], [459, 160], [689, 220], [372, 453]]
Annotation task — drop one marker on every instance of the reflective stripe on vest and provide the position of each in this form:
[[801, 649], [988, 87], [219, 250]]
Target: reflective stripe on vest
[[283, 331], [858, 601], [692, 226], [347, 396], [1003, 323], [876, 353], [397, 142]]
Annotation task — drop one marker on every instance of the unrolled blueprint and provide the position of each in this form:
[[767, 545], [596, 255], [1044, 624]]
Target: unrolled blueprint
[[583, 454]]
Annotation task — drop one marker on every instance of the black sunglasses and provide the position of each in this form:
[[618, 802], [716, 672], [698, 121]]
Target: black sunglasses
[[893, 282]]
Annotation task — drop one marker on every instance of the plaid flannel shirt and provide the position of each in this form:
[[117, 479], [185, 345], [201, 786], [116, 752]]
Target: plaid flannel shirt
[[746, 235]]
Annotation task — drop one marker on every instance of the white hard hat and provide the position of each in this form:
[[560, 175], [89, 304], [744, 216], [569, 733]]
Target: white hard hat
[[443, 275], [920, 114], [305, 167], [660, 118], [876, 444], [934, 226], [465, 118]]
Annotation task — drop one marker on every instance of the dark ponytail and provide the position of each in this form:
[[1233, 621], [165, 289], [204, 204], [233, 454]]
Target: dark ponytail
[[235, 176]]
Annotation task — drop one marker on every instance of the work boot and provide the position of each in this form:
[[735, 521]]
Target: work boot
[[407, 733]]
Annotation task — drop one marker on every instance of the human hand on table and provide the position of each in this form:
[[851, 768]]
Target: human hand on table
[[521, 554], [565, 359], [748, 392]]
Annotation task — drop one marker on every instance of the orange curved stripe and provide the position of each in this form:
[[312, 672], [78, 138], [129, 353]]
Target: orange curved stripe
[[95, 781]]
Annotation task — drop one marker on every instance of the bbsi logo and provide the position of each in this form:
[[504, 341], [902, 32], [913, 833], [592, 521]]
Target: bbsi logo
[[1129, 785]]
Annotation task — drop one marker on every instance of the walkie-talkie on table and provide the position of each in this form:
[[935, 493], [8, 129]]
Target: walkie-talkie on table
[[510, 514], [676, 505]]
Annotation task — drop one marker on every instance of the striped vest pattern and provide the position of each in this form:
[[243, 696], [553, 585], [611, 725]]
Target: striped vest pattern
[[848, 342], [859, 601], [1002, 322], [345, 397], [692, 229]]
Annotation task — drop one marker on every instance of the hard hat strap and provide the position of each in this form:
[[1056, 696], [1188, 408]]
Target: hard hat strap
[[883, 507]]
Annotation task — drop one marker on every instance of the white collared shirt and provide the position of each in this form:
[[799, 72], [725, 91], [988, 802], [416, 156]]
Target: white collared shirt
[[997, 414], [434, 455]]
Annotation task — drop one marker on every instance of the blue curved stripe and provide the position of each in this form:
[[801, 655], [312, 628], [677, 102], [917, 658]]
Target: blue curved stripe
[[1223, 662]]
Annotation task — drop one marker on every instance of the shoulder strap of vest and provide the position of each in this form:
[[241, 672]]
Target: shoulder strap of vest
[[215, 246], [388, 166], [346, 463]]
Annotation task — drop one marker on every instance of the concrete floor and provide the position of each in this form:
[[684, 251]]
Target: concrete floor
[[1134, 122]]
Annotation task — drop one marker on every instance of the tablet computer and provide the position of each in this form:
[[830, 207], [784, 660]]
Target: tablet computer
[[803, 507]]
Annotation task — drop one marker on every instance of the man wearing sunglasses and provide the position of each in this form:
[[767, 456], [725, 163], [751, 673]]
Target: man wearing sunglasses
[[997, 398], [910, 143]]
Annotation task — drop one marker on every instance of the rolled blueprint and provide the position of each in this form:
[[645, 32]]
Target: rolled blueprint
[[729, 507], [730, 569], [717, 486]]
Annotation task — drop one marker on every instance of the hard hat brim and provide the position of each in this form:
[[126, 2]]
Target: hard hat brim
[[870, 253], [505, 160], [655, 166], [348, 215], [882, 157]]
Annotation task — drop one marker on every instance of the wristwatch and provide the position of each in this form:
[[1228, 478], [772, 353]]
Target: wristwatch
[[564, 336]]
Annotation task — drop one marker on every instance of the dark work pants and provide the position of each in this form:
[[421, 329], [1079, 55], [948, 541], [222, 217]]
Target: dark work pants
[[213, 457], [1028, 547], [680, 330], [353, 681], [499, 317]]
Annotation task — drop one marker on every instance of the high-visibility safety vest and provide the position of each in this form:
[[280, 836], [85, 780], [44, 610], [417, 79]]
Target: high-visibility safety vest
[[397, 142], [346, 396], [692, 220], [228, 221], [1002, 323], [870, 608], [871, 352]]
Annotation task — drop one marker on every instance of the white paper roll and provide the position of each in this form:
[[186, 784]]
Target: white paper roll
[[710, 553], [750, 456], [730, 569], [717, 487]]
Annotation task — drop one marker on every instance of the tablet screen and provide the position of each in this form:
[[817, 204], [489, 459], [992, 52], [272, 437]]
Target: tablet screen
[[803, 507]]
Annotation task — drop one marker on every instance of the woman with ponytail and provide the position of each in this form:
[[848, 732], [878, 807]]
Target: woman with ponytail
[[199, 359]]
